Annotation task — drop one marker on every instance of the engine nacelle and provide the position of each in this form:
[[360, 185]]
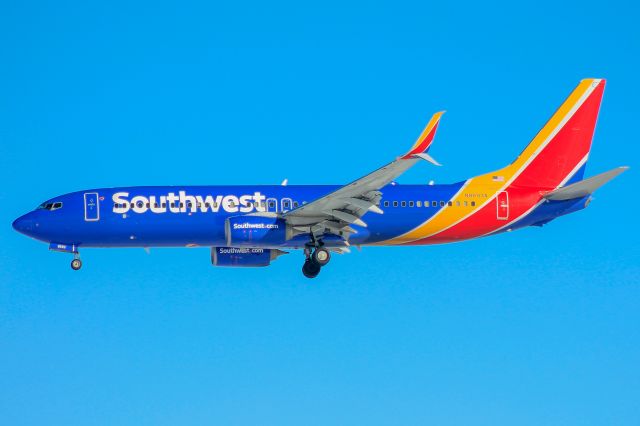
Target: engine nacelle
[[255, 231], [243, 257]]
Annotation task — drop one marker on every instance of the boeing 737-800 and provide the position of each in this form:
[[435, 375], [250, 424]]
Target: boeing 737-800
[[253, 225]]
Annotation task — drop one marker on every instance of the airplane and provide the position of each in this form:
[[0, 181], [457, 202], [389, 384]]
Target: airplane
[[250, 226]]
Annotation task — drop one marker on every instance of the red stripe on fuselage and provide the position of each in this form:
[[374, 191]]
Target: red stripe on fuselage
[[546, 171]]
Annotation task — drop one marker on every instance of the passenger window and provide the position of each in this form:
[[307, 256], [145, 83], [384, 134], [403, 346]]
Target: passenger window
[[466, 203], [386, 204], [457, 203], [441, 203], [434, 203], [295, 204], [395, 204], [410, 203], [473, 204], [418, 203], [450, 203], [403, 204]]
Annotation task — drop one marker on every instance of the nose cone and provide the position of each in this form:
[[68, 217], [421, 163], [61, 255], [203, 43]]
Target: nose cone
[[24, 224]]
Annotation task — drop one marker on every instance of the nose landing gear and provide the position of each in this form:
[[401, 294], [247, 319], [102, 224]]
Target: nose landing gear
[[315, 261], [76, 263]]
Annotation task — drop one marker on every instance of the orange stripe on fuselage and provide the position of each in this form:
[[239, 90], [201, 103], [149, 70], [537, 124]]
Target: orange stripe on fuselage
[[460, 222], [551, 166]]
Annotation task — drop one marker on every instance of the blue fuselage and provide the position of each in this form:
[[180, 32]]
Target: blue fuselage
[[163, 216]]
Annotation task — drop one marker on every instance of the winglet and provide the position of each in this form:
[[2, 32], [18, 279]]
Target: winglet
[[428, 158], [584, 187], [422, 145]]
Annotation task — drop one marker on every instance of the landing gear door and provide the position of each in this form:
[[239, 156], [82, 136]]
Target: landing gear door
[[91, 207], [502, 205]]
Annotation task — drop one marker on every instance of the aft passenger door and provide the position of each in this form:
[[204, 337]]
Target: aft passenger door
[[91, 206], [502, 205]]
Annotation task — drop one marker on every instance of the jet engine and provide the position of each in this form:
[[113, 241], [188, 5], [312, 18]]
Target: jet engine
[[255, 231]]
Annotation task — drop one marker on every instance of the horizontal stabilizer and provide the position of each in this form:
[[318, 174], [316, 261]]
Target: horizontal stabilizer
[[584, 187]]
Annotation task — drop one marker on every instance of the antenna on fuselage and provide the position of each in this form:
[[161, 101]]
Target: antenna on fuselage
[[285, 182]]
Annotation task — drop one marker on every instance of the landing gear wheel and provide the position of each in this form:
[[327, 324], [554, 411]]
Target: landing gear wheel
[[76, 264], [310, 269], [321, 256]]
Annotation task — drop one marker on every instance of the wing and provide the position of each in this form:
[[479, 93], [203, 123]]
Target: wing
[[336, 211]]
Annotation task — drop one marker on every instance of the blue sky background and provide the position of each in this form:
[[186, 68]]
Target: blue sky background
[[540, 326]]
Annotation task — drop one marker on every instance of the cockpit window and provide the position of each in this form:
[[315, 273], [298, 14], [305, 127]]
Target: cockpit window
[[50, 206]]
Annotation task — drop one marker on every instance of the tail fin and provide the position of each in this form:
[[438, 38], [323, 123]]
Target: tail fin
[[558, 153]]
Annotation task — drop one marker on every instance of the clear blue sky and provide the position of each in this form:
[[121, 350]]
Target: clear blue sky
[[540, 326]]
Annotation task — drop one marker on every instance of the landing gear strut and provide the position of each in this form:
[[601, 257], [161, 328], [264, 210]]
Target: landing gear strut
[[315, 260], [76, 263]]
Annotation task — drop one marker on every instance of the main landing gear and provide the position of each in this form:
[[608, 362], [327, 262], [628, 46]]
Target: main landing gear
[[315, 260]]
